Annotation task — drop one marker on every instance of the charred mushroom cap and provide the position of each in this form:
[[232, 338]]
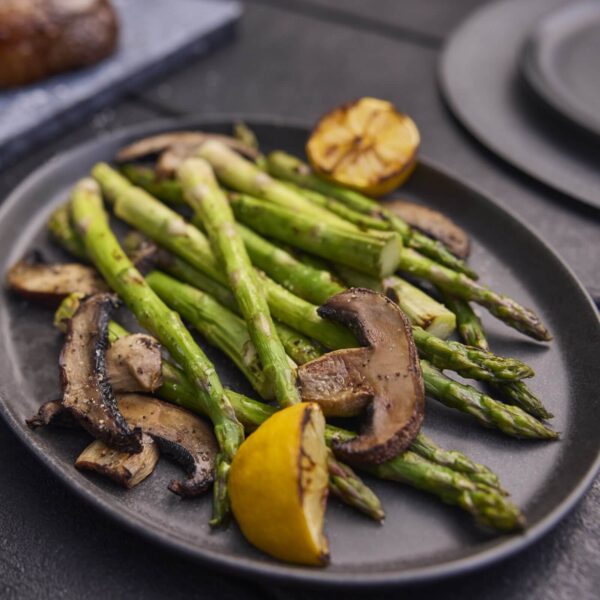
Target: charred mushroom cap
[[434, 224], [180, 434], [52, 413], [134, 364], [125, 468], [35, 279], [175, 146], [87, 393], [385, 375]]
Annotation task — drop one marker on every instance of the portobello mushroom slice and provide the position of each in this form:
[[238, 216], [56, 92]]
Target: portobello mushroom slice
[[36, 279], [87, 393], [178, 145], [434, 224], [125, 468], [180, 434], [133, 364], [52, 413], [383, 376]]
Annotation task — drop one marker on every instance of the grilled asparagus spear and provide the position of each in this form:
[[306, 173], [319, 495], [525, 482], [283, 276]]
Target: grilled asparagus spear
[[105, 252]]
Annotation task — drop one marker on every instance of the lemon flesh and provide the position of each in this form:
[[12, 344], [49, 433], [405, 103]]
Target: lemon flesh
[[366, 145], [278, 486]]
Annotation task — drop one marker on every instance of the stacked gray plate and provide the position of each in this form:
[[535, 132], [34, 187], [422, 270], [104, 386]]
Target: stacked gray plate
[[543, 123]]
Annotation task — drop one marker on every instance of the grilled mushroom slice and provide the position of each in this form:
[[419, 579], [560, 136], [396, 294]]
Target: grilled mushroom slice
[[178, 433], [133, 364], [125, 468], [175, 146], [52, 413], [384, 375], [36, 279], [87, 393], [434, 224]]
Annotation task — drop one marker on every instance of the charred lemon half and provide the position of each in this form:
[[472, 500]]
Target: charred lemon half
[[278, 486], [366, 145]]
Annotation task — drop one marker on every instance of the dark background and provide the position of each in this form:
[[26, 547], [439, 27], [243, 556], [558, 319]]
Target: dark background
[[297, 58]]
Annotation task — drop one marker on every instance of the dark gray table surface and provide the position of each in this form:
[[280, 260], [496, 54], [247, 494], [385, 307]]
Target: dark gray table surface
[[297, 58]]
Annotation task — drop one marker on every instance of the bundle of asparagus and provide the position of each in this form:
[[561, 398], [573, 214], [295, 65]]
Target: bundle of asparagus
[[257, 300]]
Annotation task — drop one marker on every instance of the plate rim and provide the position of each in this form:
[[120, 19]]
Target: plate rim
[[274, 571]]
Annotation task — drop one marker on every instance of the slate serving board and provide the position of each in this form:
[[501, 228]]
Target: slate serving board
[[156, 36]]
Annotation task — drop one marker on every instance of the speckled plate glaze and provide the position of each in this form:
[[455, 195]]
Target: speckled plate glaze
[[422, 539]]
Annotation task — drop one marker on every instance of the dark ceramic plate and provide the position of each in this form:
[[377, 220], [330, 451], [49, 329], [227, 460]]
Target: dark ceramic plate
[[422, 538], [479, 75], [560, 62]]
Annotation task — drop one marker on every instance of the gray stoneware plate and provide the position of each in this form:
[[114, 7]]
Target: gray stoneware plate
[[560, 62], [422, 539]]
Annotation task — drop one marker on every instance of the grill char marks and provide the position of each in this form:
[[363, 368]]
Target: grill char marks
[[87, 393]]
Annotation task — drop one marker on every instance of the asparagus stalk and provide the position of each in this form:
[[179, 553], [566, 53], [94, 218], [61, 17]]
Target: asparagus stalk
[[456, 461], [240, 174], [469, 324], [489, 507], [379, 255], [59, 225], [514, 392], [457, 284], [203, 313], [168, 190], [509, 419], [297, 346], [361, 220], [290, 168], [203, 195], [105, 252], [469, 361], [345, 484], [307, 282]]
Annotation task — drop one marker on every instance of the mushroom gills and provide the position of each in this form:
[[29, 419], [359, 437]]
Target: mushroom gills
[[125, 468], [134, 364], [180, 434], [382, 379], [35, 279]]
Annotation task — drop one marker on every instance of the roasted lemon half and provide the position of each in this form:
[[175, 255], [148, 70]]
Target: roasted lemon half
[[366, 145], [278, 486]]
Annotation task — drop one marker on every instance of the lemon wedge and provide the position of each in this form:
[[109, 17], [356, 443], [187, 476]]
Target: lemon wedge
[[366, 145], [278, 486]]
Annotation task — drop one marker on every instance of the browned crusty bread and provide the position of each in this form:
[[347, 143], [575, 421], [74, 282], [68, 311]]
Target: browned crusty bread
[[39, 38]]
